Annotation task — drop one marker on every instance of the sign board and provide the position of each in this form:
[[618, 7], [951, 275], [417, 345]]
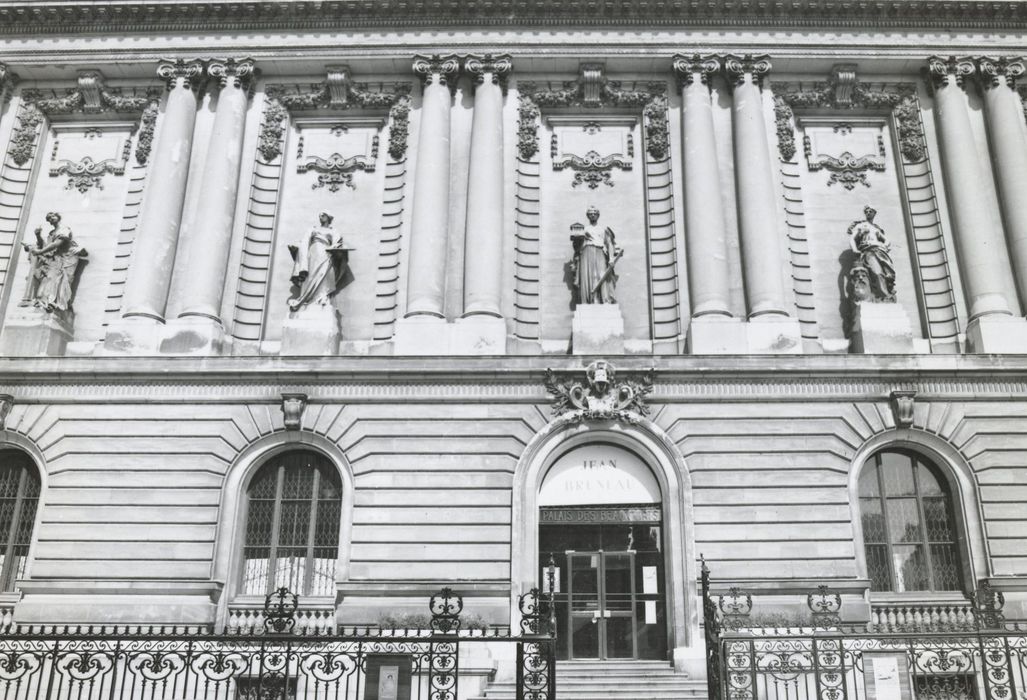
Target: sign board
[[886, 676], [388, 677], [598, 474]]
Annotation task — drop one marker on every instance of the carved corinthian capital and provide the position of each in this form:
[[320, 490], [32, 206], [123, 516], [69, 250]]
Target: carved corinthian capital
[[939, 69], [688, 68], [993, 70], [181, 73], [497, 66], [239, 72], [737, 67], [442, 69]]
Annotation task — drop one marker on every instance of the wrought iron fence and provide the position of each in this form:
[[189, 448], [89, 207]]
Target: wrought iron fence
[[975, 656], [78, 663]]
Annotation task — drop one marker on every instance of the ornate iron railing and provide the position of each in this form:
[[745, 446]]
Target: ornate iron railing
[[979, 656], [283, 662]]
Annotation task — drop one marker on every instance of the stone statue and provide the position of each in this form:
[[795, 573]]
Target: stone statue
[[872, 277], [595, 257], [319, 265], [54, 264]]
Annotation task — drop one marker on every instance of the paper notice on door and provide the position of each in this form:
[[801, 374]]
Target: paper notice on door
[[650, 585], [650, 612]]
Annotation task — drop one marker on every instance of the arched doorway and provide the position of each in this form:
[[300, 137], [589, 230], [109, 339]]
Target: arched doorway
[[601, 525]]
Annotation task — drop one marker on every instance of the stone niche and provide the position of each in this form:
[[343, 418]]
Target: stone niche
[[84, 176], [594, 160], [847, 164], [331, 164]]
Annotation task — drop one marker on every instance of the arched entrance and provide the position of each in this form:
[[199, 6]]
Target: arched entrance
[[600, 523]]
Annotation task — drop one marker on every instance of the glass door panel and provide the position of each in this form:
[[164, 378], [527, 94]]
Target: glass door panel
[[619, 604], [584, 609]]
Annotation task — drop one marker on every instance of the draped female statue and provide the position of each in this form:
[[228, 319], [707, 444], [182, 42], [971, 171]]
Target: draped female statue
[[873, 274], [595, 255], [54, 263], [319, 265]]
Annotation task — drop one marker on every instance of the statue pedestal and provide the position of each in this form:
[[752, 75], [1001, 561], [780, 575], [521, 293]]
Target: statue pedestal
[[135, 335], [30, 331], [773, 335], [431, 335], [313, 330], [717, 335], [881, 328], [597, 329], [193, 335], [996, 333]]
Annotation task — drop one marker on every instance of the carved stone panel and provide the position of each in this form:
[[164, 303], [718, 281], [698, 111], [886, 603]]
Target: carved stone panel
[[593, 147], [334, 164], [87, 154], [333, 151], [848, 150]]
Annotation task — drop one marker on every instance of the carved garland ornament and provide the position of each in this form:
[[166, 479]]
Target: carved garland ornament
[[844, 91], [593, 90], [600, 397], [91, 96], [338, 92]]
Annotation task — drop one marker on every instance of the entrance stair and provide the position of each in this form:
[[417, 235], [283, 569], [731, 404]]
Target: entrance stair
[[612, 680]]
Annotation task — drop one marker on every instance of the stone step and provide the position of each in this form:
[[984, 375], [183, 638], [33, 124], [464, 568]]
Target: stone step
[[612, 680]]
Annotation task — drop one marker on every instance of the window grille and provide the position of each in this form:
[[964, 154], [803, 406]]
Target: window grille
[[908, 526], [19, 496], [294, 504]]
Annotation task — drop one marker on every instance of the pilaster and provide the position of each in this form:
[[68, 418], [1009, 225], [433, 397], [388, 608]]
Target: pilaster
[[483, 244], [983, 260], [430, 215], [1008, 141], [199, 328], [705, 231], [156, 241], [762, 257]]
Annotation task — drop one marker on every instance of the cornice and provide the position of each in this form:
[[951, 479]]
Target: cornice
[[67, 16], [508, 379]]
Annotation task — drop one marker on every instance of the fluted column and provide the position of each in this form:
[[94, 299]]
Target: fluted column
[[757, 211], [483, 244], [426, 277], [153, 257], [1004, 115], [984, 264], [708, 280], [215, 212]]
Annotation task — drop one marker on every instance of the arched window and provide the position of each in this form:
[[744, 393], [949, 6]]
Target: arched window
[[909, 528], [292, 526], [19, 496]]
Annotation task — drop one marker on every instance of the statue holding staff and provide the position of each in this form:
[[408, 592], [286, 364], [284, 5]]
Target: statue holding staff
[[595, 258]]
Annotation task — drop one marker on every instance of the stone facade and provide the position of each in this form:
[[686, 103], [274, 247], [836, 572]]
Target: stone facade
[[760, 348]]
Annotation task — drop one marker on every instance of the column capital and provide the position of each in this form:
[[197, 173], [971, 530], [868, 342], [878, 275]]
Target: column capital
[[444, 69], [686, 68], [940, 68], [180, 72], [498, 66], [239, 72], [992, 70], [737, 67]]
